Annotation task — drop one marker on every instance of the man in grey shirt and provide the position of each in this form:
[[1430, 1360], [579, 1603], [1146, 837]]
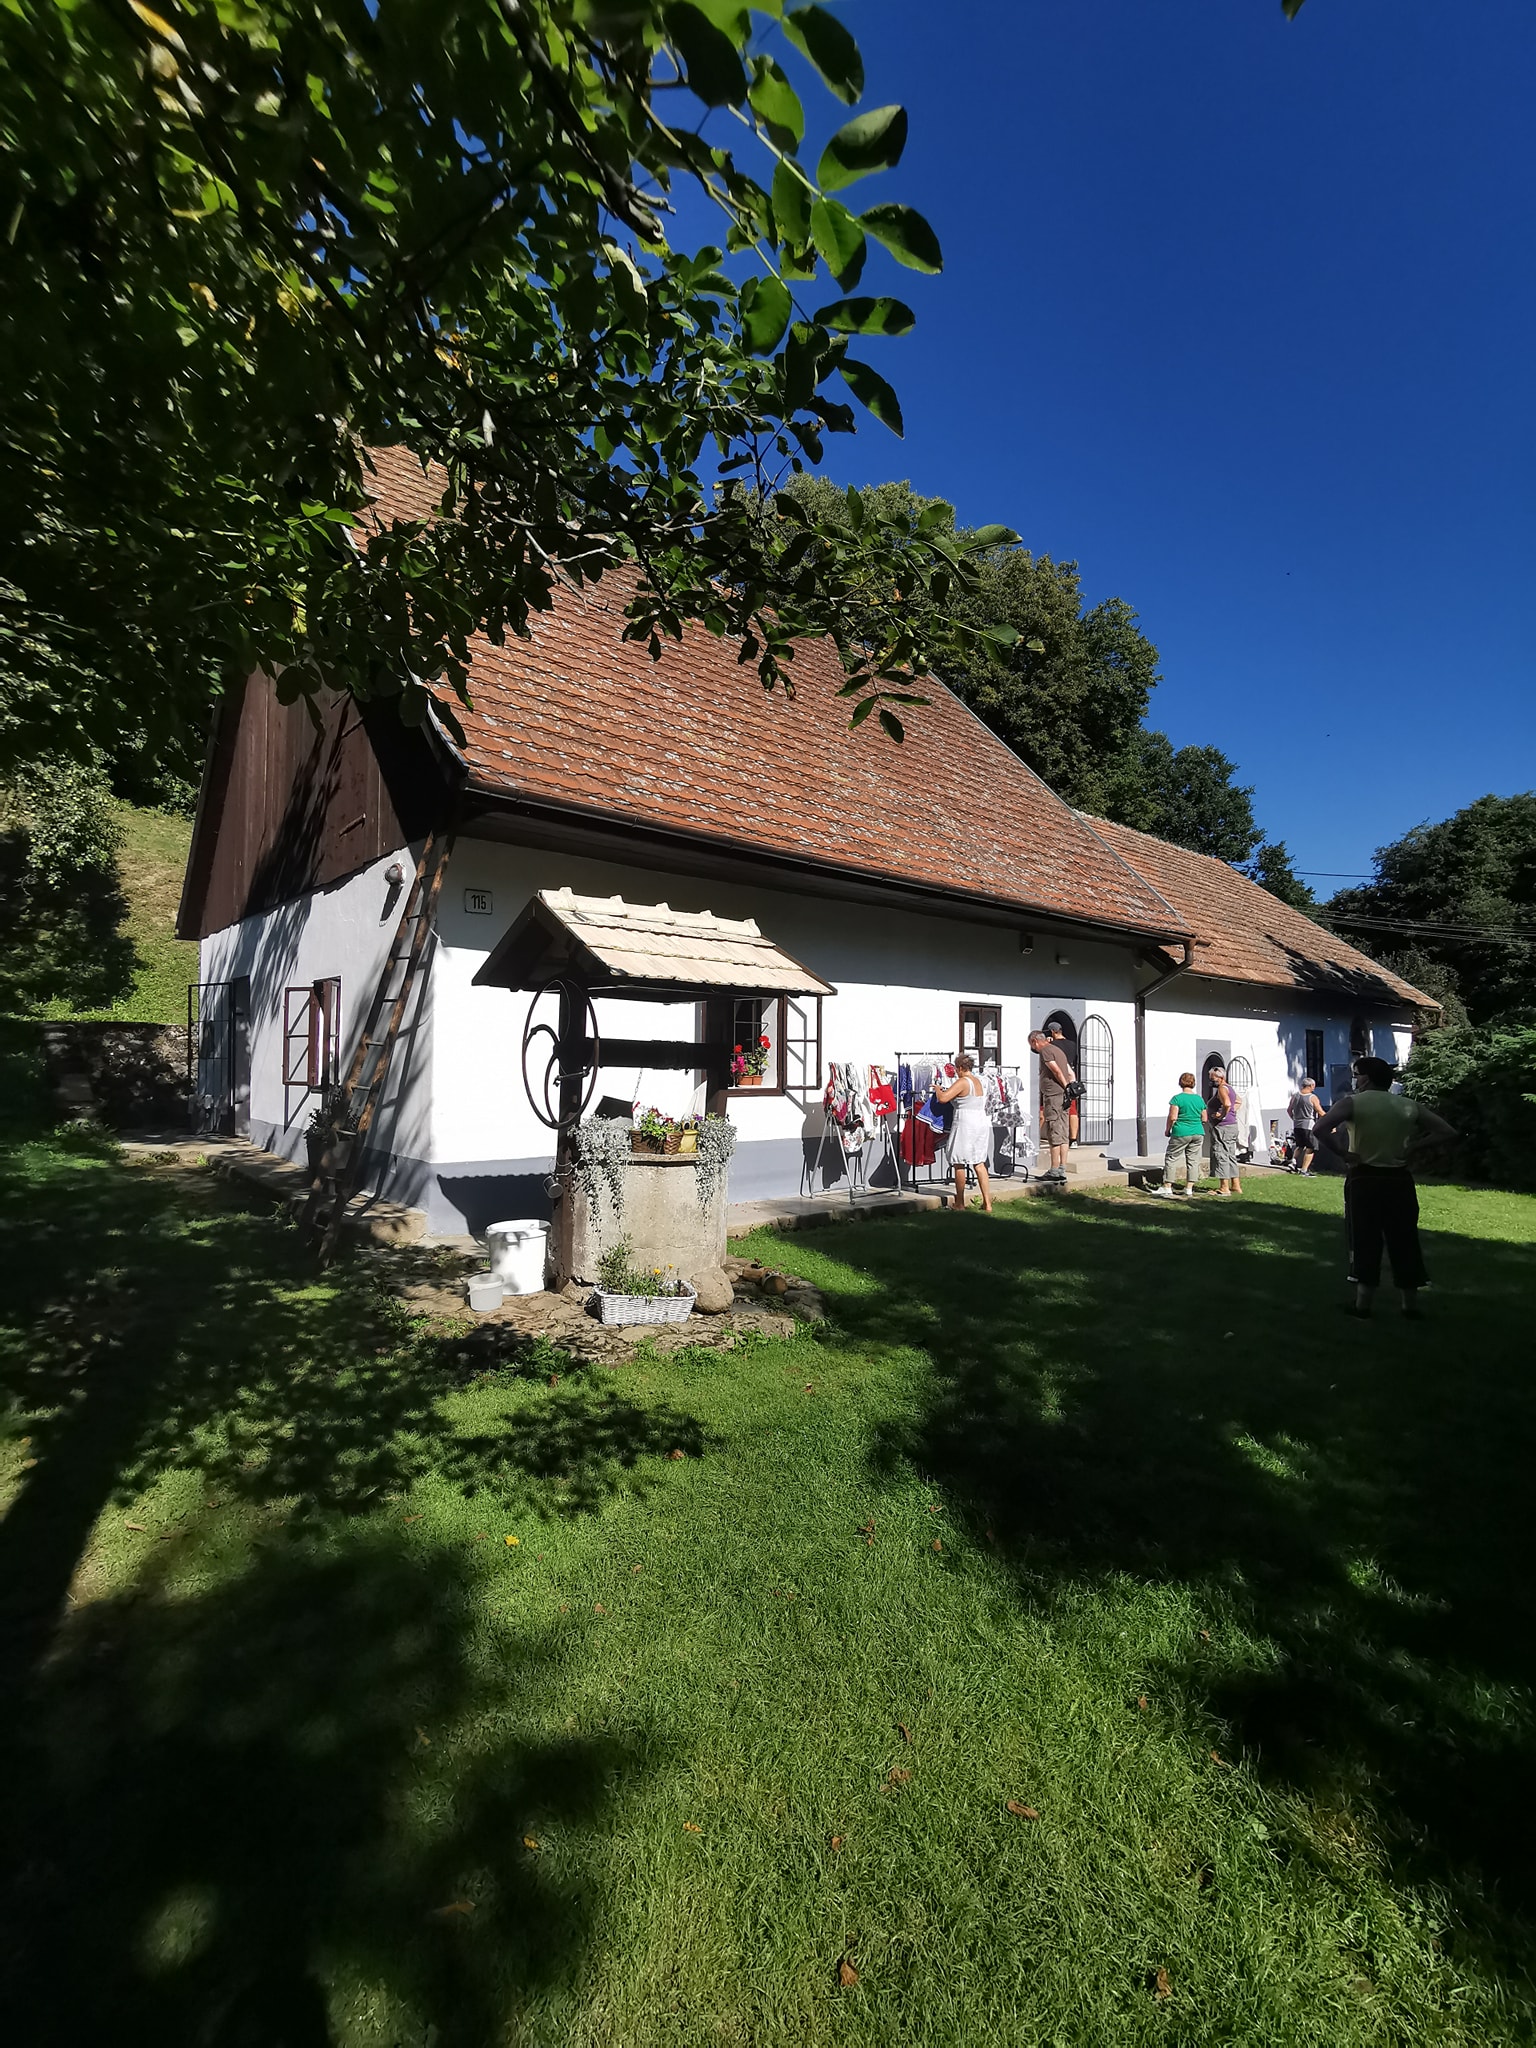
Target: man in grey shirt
[[1306, 1115]]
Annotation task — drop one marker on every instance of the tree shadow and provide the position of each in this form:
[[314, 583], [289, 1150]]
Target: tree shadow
[[1181, 1399], [224, 1810], [238, 1804]]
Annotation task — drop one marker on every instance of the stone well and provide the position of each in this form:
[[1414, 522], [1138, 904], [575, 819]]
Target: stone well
[[663, 1219]]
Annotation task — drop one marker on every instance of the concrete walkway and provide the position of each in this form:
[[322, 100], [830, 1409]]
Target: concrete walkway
[[812, 1212]]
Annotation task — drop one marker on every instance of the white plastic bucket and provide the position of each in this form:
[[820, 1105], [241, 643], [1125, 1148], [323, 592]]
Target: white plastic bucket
[[517, 1254], [485, 1292]]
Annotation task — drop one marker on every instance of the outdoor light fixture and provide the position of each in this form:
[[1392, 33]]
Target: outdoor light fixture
[[394, 874], [1026, 944]]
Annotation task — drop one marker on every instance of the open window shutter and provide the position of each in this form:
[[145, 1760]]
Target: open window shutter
[[802, 1045], [298, 1037]]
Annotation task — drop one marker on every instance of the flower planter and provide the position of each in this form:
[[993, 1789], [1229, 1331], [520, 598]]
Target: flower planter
[[645, 1308], [687, 1141], [749, 1081], [641, 1141]]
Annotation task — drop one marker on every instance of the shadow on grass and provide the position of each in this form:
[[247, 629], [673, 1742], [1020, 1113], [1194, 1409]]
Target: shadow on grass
[[247, 1804], [221, 1799], [1180, 1398]]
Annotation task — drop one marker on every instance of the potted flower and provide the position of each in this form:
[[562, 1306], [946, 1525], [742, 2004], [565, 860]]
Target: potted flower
[[625, 1294], [656, 1132], [749, 1064], [325, 1142]]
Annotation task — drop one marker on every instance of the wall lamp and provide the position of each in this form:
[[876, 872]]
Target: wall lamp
[[1026, 944], [394, 874]]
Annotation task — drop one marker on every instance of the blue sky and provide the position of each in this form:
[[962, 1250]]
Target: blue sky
[[1240, 314]]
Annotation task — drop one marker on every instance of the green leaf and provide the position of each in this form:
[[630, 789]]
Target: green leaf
[[1001, 636], [894, 728], [731, 18], [992, 537], [791, 206], [1035, 646], [861, 710], [765, 313], [708, 54], [903, 231], [867, 316], [872, 392], [839, 239], [777, 103], [822, 37], [869, 142]]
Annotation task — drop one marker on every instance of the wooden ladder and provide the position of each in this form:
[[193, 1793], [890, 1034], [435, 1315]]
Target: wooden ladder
[[363, 1089]]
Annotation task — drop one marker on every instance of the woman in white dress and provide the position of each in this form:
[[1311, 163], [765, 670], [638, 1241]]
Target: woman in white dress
[[970, 1136]]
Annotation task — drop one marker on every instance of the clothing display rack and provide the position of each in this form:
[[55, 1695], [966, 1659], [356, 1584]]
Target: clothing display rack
[[907, 1170], [856, 1143], [1007, 1105]]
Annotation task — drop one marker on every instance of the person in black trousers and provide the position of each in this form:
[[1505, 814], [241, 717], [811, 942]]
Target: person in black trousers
[[1381, 1202]]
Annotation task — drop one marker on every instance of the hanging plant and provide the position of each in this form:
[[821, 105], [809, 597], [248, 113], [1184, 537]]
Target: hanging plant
[[717, 1141], [602, 1148]]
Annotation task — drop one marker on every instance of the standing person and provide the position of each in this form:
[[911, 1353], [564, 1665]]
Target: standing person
[[1381, 1202], [1055, 1078], [1058, 1039], [1306, 1114], [1223, 1107], [970, 1137], [1185, 1132]]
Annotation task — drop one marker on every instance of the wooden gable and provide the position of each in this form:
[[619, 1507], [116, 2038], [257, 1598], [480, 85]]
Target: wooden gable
[[287, 807]]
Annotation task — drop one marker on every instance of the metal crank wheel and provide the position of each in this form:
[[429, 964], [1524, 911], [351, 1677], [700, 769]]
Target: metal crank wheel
[[544, 1084]]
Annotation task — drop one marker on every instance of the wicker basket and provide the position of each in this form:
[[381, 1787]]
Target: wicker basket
[[645, 1308]]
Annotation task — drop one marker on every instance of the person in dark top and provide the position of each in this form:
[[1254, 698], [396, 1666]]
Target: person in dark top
[[1055, 1077], [1059, 1045]]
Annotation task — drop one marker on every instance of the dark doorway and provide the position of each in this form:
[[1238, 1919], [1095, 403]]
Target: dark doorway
[[1068, 1032]]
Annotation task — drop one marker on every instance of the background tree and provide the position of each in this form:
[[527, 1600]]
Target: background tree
[[242, 245], [61, 905], [1466, 891]]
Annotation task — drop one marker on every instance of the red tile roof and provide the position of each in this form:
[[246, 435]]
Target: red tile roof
[[1243, 933], [693, 744]]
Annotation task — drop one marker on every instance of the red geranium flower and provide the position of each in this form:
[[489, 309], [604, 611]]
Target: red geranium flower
[[738, 1048], [763, 1042]]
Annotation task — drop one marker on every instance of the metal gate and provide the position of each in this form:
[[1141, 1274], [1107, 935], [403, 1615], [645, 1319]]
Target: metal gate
[[215, 1055], [1240, 1081], [1096, 1071]]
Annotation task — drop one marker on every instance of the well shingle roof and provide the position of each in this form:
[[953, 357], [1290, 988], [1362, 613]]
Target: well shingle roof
[[1243, 933]]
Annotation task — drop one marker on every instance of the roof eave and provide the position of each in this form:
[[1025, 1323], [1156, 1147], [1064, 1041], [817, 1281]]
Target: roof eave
[[499, 798]]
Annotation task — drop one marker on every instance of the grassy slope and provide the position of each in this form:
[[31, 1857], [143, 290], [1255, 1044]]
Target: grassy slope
[[151, 862], [318, 1744]]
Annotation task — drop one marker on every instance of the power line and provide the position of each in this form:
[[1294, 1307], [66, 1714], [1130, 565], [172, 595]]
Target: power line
[[1442, 931]]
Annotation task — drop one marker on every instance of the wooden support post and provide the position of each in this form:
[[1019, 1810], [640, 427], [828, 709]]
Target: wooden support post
[[570, 1056]]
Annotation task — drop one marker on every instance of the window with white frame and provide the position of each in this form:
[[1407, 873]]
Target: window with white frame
[[757, 1043], [802, 1045]]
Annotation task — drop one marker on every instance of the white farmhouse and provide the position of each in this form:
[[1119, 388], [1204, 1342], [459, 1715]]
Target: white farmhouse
[[930, 896]]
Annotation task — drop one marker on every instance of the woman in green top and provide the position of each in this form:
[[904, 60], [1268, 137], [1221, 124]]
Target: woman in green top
[[1185, 1133], [1381, 1203]]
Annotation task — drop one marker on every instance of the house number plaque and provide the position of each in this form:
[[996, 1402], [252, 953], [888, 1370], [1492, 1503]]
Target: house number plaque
[[478, 902]]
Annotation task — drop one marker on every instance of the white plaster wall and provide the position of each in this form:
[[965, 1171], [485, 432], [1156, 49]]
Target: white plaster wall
[[1273, 1038], [900, 976], [345, 930]]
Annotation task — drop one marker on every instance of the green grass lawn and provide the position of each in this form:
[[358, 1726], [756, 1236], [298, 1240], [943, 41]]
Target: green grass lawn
[[1096, 1508]]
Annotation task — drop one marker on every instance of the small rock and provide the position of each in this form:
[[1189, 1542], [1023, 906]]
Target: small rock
[[715, 1292]]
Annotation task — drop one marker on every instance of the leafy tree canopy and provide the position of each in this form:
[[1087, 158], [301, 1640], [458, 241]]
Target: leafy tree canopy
[[244, 243], [61, 902], [1466, 888]]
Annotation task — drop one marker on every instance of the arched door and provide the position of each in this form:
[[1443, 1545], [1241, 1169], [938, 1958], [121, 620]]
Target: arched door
[[1096, 1070]]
